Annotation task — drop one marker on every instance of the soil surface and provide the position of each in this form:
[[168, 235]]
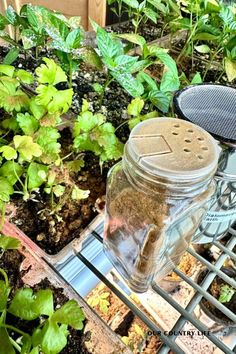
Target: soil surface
[[10, 262], [123, 321], [214, 290]]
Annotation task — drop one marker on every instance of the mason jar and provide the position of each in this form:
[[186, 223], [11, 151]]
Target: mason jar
[[156, 198]]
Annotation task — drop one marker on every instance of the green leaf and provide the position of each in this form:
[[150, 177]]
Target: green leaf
[[8, 152], [151, 14], [11, 15], [135, 107], [69, 314], [26, 147], [29, 38], [230, 69], [129, 83], [164, 57], [203, 36], [27, 123], [22, 305], [196, 79], [4, 292], [57, 29], [169, 82], [5, 190], [11, 56], [143, 77], [108, 45], [90, 57], [11, 171], [54, 99], [133, 38], [58, 190], [37, 110], [24, 76], [202, 48], [160, 99], [7, 70], [74, 38], [51, 73], [11, 97], [226, 293], [227, 15], [74, 166], [54, 338], [98, 88], [47, 139], [37, 175], [212, 6], [3, 22], [5, 344], [78, 194], [9, 243], [132, 3]]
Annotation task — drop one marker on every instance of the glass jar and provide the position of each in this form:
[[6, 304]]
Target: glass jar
[[156, 198], [222, 213]]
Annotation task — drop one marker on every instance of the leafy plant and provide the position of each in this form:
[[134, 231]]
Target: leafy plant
[[226, 293], [50, 327], [91, 132], [134, 110], [8, 243], [100, 301]]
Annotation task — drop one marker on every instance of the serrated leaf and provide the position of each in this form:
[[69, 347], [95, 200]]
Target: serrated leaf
[[4, 293], [22, 305], [58, 190], [47, 139], [11, 56], [135, 107], [50, 73], [26, 147], [132, 3], [53, 99], [24, 76], [11, 97], [27, 123], [74, 166], [37, 175], [37, 110], [8, 152], [69, 314], [202, 48]]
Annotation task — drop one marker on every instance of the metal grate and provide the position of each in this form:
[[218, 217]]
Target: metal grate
[[86, 261]]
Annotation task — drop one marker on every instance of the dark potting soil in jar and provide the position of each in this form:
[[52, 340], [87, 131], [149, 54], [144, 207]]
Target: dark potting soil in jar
[[10, 262]]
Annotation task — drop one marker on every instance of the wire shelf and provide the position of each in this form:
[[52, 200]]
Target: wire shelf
[[87, 262]]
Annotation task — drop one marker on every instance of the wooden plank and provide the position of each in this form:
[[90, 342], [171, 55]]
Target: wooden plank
[[97, 12]]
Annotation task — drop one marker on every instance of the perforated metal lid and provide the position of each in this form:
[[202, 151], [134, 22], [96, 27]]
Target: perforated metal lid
[[211, 106], [172, 147]]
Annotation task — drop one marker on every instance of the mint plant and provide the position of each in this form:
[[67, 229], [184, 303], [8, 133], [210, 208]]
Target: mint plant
[[226, 293], [92, 133]]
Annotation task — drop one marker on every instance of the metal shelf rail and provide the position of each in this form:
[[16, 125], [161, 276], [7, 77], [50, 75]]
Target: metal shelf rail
[[186, 314]]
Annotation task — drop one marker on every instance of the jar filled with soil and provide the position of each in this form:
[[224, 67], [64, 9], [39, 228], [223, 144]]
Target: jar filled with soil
[[156, 198]]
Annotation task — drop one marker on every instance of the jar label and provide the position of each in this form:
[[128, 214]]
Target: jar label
[[219, 216]]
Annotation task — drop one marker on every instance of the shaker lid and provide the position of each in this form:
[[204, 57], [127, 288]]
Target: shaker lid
[[174, 148], [211, 106]]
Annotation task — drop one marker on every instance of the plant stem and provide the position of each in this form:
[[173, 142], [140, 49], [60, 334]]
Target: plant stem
[[36, 52], [4, 274], [3, 213], [70, 71], [15, 345], [14, 329], [107, 83], [218, 50]]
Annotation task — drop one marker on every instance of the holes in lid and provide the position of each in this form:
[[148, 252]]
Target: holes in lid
[[200, 138], [200, 157], [190, 131], [205, 148], [187, 140], [186, 150], [175, 133], [176, 125]]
